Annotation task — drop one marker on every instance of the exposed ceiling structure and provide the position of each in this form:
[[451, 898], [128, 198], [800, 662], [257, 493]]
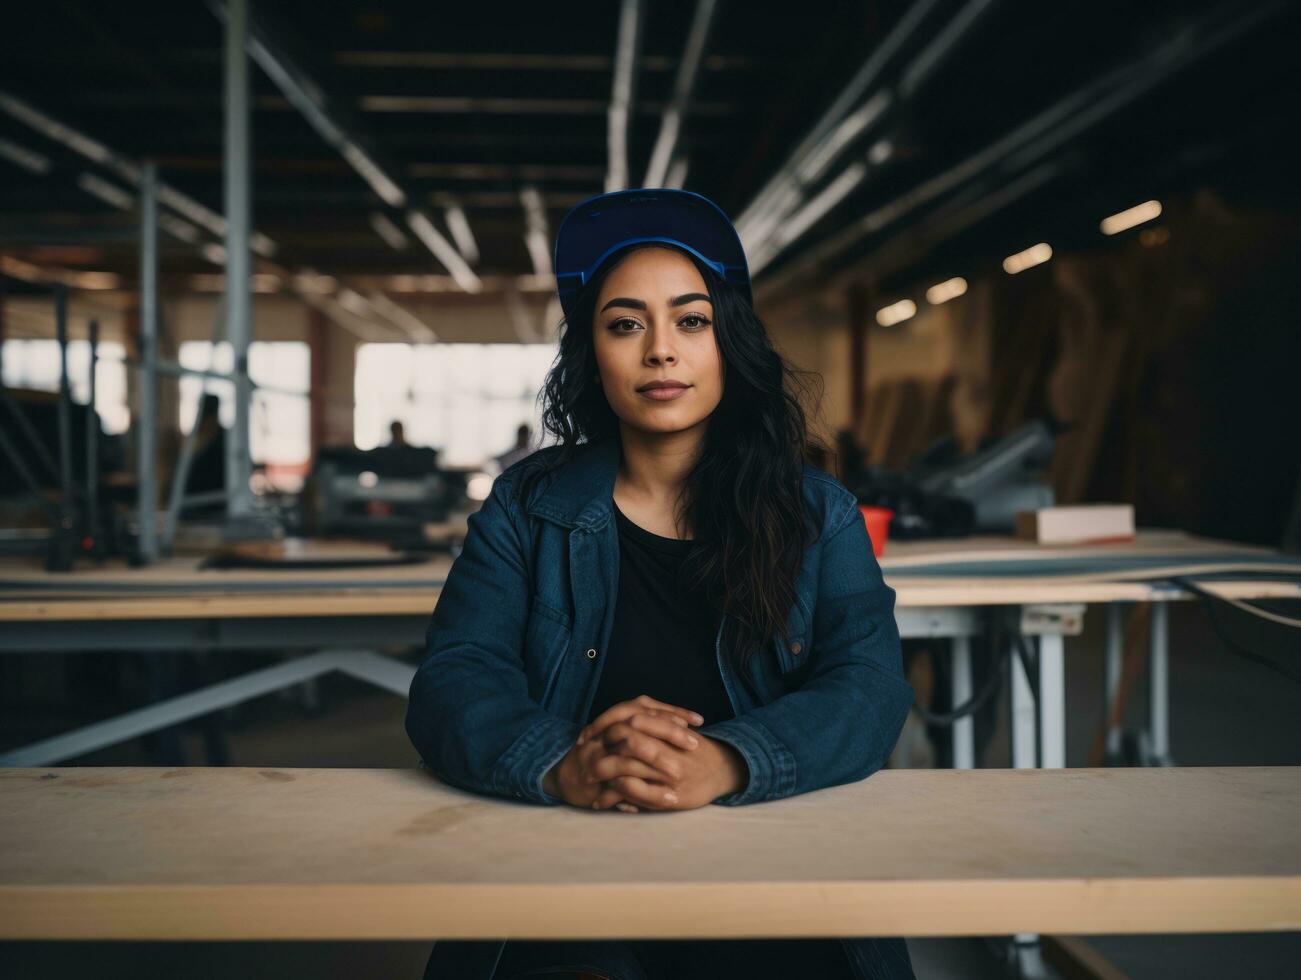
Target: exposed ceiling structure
[[411, 147]]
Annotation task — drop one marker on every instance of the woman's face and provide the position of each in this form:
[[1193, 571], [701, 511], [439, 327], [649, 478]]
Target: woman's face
[[654, 323]]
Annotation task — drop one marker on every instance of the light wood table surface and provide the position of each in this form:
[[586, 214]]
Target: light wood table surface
[[178, 589], [394, 854]]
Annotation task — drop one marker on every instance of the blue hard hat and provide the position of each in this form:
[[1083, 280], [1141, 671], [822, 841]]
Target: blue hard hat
[[601, 226]]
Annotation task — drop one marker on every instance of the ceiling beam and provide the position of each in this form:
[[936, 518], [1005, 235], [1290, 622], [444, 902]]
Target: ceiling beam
[[1027, 146], [459, 60], [683, 84], [313, 104], [623, 94]]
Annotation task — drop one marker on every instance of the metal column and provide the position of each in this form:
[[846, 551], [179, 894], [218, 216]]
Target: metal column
[[91, 523], [1159, 684], [1115, 655], [1052, 701], [1023, 717], [964, 741], [147, 418], [238, 212]]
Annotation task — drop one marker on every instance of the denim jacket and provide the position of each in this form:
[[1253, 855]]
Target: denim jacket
[[521, 630]]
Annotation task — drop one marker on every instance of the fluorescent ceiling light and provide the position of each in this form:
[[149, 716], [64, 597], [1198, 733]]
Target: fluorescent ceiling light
[[1032, 256], [944, 291], [1130, 217], [896, 313]]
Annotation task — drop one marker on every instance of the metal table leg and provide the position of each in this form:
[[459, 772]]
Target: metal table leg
[[964, 741], [1023, 718], [384, 672], [1115, 655], [1159, 685], [1052, 701]]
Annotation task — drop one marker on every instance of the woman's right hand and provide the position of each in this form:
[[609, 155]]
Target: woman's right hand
[[579, 778]]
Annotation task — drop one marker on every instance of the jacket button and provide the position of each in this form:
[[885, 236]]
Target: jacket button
[[796, 647], [591, 654]]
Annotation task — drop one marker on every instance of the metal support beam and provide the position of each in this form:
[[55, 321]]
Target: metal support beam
[[1159, 683], [964, 729], [61, 557], [1023, 717], [1115, 649], [238, 177], [390, 675], [676, 111], [91, 526], [147, 375], [827, 137], [622, 94], [1052, 701]]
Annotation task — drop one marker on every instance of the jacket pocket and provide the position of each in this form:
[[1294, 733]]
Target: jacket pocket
[[546, 639], [792, 653]]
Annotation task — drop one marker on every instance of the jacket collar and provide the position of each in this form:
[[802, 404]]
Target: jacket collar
[[578, 494]]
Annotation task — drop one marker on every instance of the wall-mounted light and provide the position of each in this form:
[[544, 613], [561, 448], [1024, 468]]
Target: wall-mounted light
[[888, 316], [944, 291], [1130, 217], [1028, 259]]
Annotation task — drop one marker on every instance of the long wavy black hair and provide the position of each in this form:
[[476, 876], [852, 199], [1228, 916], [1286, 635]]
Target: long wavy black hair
[[742, 500]]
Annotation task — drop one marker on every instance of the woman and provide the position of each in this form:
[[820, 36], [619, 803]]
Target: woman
[[668, 608]]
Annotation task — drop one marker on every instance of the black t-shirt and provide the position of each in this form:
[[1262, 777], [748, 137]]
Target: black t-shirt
[[663, 638]]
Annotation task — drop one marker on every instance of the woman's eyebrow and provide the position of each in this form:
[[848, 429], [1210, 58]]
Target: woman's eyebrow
[[637, 304]]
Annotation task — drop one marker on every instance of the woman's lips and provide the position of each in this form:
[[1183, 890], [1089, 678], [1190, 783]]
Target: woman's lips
[[664, 394]]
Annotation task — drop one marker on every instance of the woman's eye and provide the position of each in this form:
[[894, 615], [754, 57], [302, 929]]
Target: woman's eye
[[692, 321]]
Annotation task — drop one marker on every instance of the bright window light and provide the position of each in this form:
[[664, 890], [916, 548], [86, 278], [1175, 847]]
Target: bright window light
[[34, 364], [279, 422], [466, 400]]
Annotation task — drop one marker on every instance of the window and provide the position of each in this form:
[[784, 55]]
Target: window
[[34, 364], [466, 400], [279, 421]]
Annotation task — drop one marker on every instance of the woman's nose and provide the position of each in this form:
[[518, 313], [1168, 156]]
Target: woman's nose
[[659, 347]]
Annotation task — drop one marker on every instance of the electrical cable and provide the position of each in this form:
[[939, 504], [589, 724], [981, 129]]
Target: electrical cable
[[1017, 642], [1218, 625], [1188, 585], [993, 682]]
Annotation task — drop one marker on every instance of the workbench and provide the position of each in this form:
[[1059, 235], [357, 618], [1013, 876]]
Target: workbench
[[337, 619], [335, 854]]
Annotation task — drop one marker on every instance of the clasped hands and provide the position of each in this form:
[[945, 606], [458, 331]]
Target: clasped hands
[[642, 754]]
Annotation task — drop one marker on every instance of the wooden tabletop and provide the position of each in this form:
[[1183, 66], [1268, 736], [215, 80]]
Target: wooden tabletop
[[179, 588], [194, 853]]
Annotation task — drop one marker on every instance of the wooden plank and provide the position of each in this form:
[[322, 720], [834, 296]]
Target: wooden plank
[[394, 854], [414, 589], [910, 594]]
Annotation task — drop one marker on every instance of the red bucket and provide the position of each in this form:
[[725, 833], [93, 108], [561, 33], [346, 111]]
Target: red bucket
[[877, 520]]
